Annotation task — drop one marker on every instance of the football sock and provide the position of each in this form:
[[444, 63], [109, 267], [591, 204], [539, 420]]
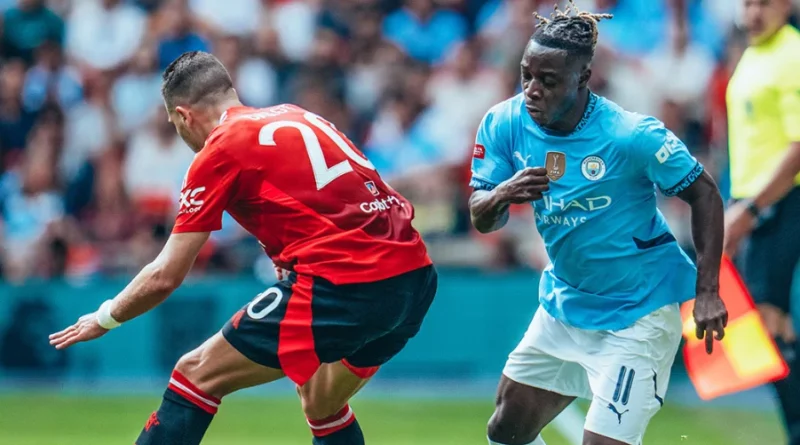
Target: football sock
[[183, 417], [339, 429], [538, 441]]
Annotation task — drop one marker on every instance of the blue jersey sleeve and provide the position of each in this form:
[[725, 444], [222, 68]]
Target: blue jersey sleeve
[[665, 159], [491, 160]]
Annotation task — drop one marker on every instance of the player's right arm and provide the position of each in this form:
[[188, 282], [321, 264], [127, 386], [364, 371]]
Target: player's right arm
[[210, 185], [495, 184]]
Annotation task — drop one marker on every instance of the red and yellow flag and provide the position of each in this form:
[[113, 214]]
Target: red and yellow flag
[[747, 357]]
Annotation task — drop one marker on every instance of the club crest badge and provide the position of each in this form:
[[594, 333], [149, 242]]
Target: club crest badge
[[593, 168], [556, 165], [372, 188]]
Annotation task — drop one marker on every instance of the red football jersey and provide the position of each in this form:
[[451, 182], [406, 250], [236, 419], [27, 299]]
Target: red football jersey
[[314, 202]]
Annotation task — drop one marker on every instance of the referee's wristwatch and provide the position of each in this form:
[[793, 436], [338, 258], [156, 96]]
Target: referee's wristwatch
[[753, 209]]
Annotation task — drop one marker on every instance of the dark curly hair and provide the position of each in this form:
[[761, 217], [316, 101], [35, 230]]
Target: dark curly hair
[[572, 30]]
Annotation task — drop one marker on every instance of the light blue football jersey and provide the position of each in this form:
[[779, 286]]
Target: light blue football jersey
[[613, 258]]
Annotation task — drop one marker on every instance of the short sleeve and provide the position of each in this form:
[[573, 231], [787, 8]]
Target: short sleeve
[[491, 162], [207, 190], [789, 100], [665, 159]]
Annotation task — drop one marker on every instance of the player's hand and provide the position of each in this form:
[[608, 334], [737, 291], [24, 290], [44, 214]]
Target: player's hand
[[85, 329], [739, 222], [526, 185], [710, 318]]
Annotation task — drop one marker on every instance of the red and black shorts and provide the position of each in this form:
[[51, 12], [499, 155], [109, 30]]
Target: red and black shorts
[[303, 321]]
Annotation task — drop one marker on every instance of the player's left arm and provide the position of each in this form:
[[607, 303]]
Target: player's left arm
[[669, 165]]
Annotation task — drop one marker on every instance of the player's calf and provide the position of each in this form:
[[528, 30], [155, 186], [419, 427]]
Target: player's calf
[[325, 403], [200, 380]]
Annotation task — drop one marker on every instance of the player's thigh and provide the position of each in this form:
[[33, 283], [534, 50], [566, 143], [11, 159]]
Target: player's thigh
[[218, 369], [329, 390], [629, 375]]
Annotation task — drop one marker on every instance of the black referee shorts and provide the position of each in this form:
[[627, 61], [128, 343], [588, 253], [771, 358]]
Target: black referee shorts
[[771, 255]]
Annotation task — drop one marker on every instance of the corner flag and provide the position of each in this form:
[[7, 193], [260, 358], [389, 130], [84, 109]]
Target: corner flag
[[747, 357]]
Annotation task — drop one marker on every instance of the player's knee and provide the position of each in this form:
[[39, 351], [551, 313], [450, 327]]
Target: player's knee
[[507, 426], [190, 365], [318, 407], [514, 420]]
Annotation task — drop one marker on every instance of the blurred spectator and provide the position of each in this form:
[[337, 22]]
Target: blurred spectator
[[371, 60], [239, 18], [717, 106], [15, 121], [295, 23], [460, 92], [505, 26], [177, 35], [30, 204], [254, 79], [681, 74], [27, 26], [136, 95], [425, 32], [51, 80], [104, 34], [325, 64], [155, 164], [90, 127]]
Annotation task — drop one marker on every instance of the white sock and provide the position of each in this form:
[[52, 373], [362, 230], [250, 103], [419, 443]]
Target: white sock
[[538, 441]]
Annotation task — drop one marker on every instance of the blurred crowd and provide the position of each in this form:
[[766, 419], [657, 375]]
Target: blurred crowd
[[90, 169]]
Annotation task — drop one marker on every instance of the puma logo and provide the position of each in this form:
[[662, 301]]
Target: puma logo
[[524, 160], [619, 414]]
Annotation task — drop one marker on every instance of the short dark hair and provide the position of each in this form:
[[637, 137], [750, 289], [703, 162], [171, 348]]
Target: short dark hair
[[194, 77], [572, 30]]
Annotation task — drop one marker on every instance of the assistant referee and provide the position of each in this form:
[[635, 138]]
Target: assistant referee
[[763, 101]]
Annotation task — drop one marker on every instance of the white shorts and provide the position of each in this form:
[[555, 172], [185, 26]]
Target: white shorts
[[624, 373]]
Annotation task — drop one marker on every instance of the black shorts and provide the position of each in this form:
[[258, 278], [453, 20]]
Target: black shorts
[[771, 255], [304, 321]]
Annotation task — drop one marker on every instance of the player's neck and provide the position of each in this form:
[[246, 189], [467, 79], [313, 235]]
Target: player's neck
[[219, 109], [573, 116], [213, 116]]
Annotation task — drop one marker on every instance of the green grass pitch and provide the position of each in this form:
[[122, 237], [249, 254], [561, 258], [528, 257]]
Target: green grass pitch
[[248, 420]]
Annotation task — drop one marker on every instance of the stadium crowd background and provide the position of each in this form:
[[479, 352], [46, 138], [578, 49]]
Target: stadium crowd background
[[90, 169]]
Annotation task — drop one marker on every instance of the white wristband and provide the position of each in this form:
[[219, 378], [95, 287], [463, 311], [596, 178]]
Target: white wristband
[[104, 318]]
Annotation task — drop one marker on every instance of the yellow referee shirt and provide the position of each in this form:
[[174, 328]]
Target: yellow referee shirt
[[763, 111]]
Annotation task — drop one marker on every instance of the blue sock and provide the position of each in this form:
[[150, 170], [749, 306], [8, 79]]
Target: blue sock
[[340, 429], [183, 417]]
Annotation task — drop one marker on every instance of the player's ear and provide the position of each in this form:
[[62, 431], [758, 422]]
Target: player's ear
[[183, 114], [586, 74]]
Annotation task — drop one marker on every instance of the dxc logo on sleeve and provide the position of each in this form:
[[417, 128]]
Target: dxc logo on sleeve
[[189, 201]]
